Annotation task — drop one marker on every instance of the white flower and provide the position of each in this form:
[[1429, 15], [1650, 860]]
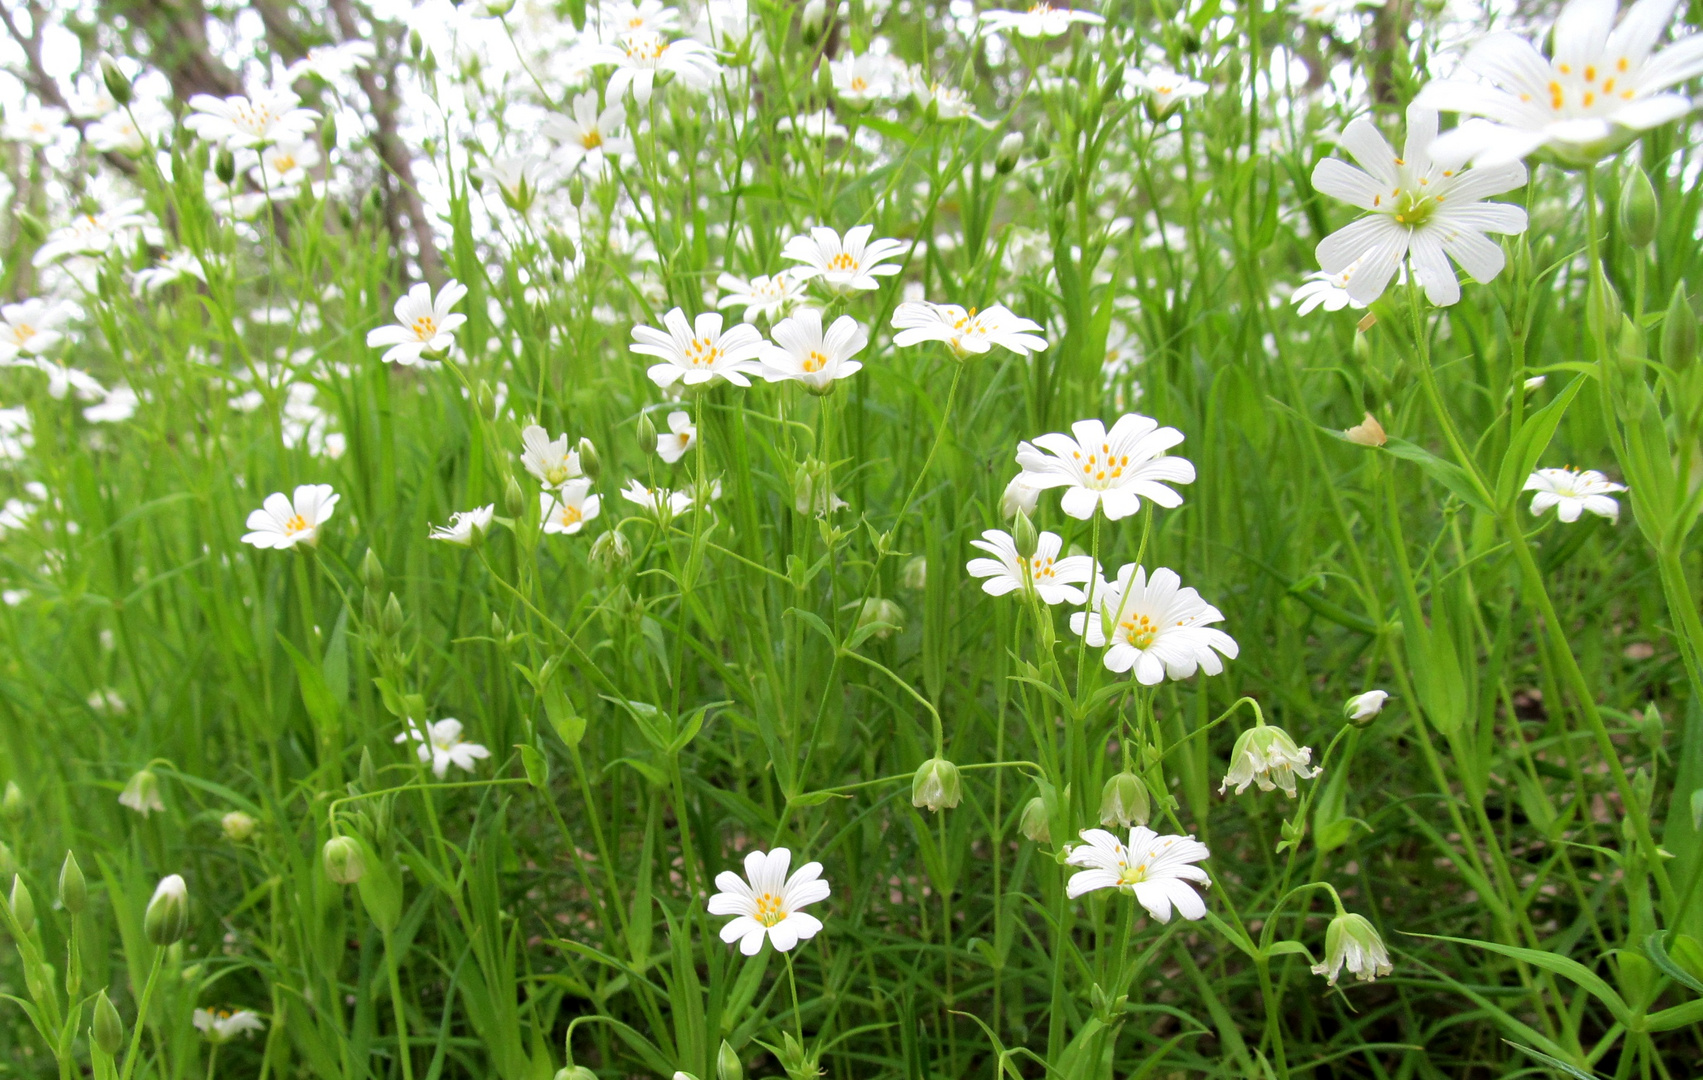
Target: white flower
[[1165, 87], [763, 296], [1020, 494], [944, 102], [422, 324], [659, 503], [1419, 211], [567, 509], [625, 17], [549, 460], [1329, 12], [1266, 755], [442, 745], [1573, 491], [172, 268], [1053, 578], [518, 177], [843, 266], [242, 123], [860, 81], [1363, 707], [816, 125], [639, 54], [284, 166], [770, 905], [699, 352], [587, 136], [1353, 942], [142, 793], [40, 125], [1327, 290], [332, 61], [95, 234], [682, 436], [465, 526], [966, 332], [62, 379], [285, 521], [224, 1025], [118, 405], [30, 326], [1113, 470], [1041, 20], [802, 352], [1156, 869], [1156, 627], [127, 131], [1602, 86]]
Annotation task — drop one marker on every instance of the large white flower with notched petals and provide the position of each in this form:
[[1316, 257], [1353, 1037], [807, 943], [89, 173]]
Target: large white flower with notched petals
[[588, 135], [567, 509], [441, 745], [804, 352], [1112, 470], [1054, 579], [243, 123], [967, 332], [699, 352], [843, 265], [1419, 212], [1157, 626], [1601, 86], [1040, 20], [422, 324], [283, 521], [768, 903], [1156, 869], [31, 326], [765, 296], [639, 55], [1573, 492]]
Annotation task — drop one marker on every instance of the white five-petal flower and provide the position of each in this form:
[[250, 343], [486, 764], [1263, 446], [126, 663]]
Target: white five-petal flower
[[548, 459], [764, 295], [1164, 87], [465, 526], [30, 326], [1157, 626], [700, 351], [843, 266], [657, 502], [682, 436], [1418, 212], [1040, 20], [566, 510], [588, 135], [1572, 492], [1053, 578], [422, 324], [803, 352], [243, 123], [1156, 869], [441, 745], [767, 903], [966, 332], [224, 1025], [285, 521], [638, 55], [1113, 470]]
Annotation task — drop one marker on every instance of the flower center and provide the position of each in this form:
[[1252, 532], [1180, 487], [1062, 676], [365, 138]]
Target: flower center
[[283, 163], [702, 352], [1140, 630], [859, 84], [23, 332], [645, 47], [815, 362], [1103, 468], [1041, 568], [1414, 207], [425, 327], [843, 263], [769, 909], [592, 139], [570, 515], [296, 524], [1132, 875]]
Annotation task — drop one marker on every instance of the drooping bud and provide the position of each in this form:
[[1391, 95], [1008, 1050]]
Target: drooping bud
[[73, 887], [1124, 801], [1267, 756], [647, 435], [1679, 331], [610, 552], [167, 917], [575, 1072], [1352, 942], [727, 1064], [496, 9], [23, 904], [1638, 209], [1025, 536], [1010, 151], [343, 860], [1034, 823], [883, 612], [117, 83], [237, 826], [1360, 709], [107, 1029], [936, 785], [142, 793], [914, 574]]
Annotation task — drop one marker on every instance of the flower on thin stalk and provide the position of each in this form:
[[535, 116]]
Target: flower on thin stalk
[[1155, 869], [1165, 88], [803, 352], [966, 331], [764, 296], [699, 352], [682, 436], [441, 746], [1266, 755], [423, 324], [843, 265], [587, 136], [1156, 627], [1353, 942], [639, 55], [1601, 86], [1572, 492], [1054, 579], [243, 123], [659, 503], [566, 510], [466, 527], [767, 903], [223, 1026], [1112, 470], [1362, 707], [283, 521], [548, 459], [142, 793]]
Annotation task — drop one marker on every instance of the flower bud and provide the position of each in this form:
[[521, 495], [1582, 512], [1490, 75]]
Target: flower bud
[[225, 166], [393, 620], [877, 610], [1019, 495], [344, 862], [1352, 942], [33, 228], [167, 917], [1651, 728], [1267, 756], [590, 465], [108, 1028], [142, 793], [117, 83], [647, 435], [936, 785], [814, 20], [610, 552], [1679, 331], [1010, 151], [1034, 823], [73, 887], [496, 9], [514, 500], [23, 904], [1367, 432], [1361, 708], [727, 1064], [1638, 208], [1124, 801], [12, 803], [575, 1072], [1602, 306], [914, 575], [8, 861], [1025, 536], [416, 44], [372, 571], [237, 825], [576, 191]]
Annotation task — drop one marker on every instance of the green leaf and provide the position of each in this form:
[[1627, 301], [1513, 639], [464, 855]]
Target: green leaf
[[1655, 948], [1448, 474], [1528, 444], [536, 765], [1559, 965], [1553, 1062]]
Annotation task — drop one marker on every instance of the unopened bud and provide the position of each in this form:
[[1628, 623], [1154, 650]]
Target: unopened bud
[[344, 862], [1679, 331], [167, 917], [576, 191], [225, 166], [117, 83], [936, 785], [590, 465], [1025, 536], [1638, 208], [914, 574], [372, 571], [1019, 496], [610, 552], [1352, 942], [33, 228], [237, 826], [647, 435], [575, 1072], [1034, 823], [514, 500], [107, 1029], [815, 18], [8, 861], [1010, 150], [496, 9], [1124, 801], [878, 611], [1360, 709], [73, 887], [416, 44], [23, 904], [727, 1064], [12, 803], [1602, 306], [1651, 728]]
